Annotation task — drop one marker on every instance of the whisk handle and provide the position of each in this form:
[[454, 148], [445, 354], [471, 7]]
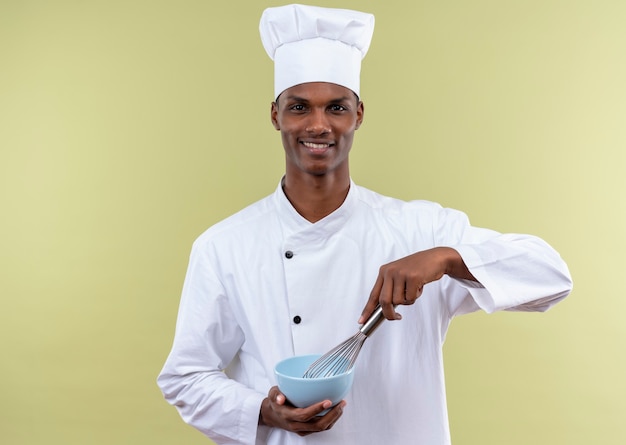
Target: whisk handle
[[373, 322]]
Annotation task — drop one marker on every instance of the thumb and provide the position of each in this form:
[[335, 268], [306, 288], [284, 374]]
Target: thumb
[[280, 399]]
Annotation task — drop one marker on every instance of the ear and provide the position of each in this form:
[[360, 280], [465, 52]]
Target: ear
[[360, 111], [274, 115]]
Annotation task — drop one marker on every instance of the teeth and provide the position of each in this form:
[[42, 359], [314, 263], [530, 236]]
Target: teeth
[[313, 145]]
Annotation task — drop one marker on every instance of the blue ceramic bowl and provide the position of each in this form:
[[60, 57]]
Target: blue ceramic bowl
[[303, 392]]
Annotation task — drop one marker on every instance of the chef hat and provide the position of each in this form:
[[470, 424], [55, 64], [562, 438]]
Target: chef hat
[[313, 44]]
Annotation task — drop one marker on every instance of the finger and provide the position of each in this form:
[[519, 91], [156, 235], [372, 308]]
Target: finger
[[386, 300], [410, 294], [419, 291], [304, 426], [372, 302], [399, 291], [334, 415], [326, 421], [413, 292], [311, 412]]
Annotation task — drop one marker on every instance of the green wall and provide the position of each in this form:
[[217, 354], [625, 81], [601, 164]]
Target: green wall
[[128, 127]]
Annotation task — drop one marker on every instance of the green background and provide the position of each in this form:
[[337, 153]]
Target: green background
[[129, 127]]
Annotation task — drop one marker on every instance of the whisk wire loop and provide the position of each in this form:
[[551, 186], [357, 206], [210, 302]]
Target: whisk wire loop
[[342, 357], [338, 360]]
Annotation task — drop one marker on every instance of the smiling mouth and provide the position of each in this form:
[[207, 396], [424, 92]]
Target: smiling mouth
[[316, 146]]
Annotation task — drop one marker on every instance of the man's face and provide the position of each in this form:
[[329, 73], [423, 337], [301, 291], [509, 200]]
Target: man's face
[[317, 123]]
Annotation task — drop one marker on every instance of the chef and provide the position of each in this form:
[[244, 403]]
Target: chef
[[296, 272]]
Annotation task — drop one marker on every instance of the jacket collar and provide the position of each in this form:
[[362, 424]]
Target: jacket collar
[[294, 223]]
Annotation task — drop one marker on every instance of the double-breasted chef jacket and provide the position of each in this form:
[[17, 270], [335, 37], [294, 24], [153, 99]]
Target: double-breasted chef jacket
[[266, 284]]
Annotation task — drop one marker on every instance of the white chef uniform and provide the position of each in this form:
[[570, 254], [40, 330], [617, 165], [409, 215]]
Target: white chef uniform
[[266, 284]]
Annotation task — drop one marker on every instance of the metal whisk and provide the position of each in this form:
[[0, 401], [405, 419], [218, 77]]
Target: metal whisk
[[342, 357]]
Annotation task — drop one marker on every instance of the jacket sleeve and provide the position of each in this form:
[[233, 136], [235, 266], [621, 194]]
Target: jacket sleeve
[[206, 340], [514, 272]]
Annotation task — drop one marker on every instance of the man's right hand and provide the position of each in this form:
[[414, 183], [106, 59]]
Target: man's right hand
[[277, 413]]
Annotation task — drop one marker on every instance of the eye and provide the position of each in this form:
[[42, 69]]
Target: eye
[[297, 107], [336, 108]]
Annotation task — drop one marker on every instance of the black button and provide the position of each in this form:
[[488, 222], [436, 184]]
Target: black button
[[289, 254], [297, 319]]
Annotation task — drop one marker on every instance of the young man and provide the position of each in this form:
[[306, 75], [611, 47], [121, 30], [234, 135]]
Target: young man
[[289, 274]]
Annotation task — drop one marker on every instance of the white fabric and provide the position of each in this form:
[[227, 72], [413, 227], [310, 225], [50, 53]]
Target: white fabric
[[241, 294], [314, 44]]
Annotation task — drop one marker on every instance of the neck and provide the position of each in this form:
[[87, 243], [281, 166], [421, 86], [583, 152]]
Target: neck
[[315, 197]]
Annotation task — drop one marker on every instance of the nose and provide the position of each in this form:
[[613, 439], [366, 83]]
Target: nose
[[317, 123]]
